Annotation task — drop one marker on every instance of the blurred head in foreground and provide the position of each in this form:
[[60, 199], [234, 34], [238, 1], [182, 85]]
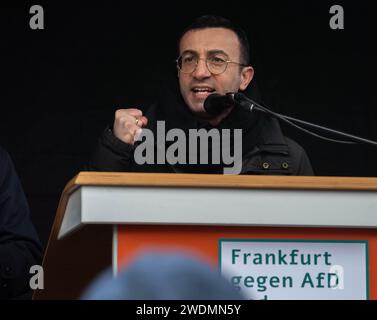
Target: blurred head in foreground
[[161, 276]]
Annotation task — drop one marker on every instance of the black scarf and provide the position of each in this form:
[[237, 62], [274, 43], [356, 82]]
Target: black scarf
[[173, 110]]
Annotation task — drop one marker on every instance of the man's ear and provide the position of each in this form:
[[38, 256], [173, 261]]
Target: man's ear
[[247, 75]]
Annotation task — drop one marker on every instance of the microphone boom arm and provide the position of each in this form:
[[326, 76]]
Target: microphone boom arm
[[249, 105]]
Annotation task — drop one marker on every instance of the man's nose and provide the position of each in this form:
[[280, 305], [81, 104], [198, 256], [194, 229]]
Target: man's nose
[[201, 70]]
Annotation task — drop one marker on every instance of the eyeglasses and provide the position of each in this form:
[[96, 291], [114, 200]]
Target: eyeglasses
[[187, 63]]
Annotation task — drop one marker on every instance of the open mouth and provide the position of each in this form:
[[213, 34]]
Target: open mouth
[[203, 90]]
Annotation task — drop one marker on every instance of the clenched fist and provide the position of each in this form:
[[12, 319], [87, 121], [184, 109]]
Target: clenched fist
[[128, 124]]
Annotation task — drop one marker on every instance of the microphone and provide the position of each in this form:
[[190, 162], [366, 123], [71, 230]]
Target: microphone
[[216, 103]]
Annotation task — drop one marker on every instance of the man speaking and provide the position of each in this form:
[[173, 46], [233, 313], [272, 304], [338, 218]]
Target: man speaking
[[214, 58]]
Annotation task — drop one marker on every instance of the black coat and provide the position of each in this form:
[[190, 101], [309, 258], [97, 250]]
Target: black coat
[[19, 244], [264, 148]]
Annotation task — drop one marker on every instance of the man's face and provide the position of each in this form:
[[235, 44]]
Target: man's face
[[197, 86]]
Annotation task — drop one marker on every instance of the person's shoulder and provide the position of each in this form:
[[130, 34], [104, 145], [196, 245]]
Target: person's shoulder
[[296, 151], [294, 146], [301, 161]]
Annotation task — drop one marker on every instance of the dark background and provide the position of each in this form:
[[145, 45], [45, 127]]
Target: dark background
[[60, 86]]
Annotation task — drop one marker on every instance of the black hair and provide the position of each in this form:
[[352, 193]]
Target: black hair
[[211, 21]]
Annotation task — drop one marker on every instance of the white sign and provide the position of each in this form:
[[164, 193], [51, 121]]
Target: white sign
[[296, 269]]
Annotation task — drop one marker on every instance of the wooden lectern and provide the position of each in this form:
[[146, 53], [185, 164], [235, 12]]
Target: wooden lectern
[[104, 219]]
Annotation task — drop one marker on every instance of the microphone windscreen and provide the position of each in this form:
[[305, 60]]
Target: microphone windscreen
[[216, 103]]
